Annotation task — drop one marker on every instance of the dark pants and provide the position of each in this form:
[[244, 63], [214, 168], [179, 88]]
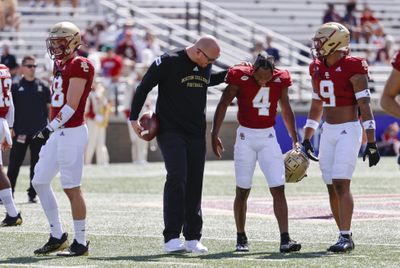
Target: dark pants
[[17, 155], [184, 159]]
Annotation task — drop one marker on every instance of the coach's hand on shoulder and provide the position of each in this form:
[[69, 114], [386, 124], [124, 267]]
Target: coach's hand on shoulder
[[309, 150], [373, 154], [43, 134]]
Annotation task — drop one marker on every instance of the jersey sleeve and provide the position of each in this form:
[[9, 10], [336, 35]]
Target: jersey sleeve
[[311, 69], [81, 68], [233, 76], [396, 61], [286, 79], [358, 65]]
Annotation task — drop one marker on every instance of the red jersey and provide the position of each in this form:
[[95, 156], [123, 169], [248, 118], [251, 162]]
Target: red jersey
[[5, 87], [76, 67], [111, 67], [396, 61], [333, 83], [257, 105]]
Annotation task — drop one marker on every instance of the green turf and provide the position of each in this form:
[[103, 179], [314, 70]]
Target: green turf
[[125, 224]]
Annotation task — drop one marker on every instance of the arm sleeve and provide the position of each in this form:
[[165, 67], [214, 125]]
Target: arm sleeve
[[150, 80], [217, 78]]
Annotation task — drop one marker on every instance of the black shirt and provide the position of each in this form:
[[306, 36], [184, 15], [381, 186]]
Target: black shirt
[[30, 100], [182, 93], [9, 61]]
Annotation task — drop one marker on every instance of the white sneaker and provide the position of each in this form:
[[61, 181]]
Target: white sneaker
[[174, 245], [195, 246]]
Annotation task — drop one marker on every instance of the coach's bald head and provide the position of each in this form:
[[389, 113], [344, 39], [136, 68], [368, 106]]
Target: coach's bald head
[[204, 51]]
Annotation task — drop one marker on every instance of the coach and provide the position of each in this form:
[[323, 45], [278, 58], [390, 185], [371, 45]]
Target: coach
[[31, 100], [182, 76]]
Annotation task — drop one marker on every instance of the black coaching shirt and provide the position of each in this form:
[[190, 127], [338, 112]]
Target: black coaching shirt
[[182, 93], [30, 101]]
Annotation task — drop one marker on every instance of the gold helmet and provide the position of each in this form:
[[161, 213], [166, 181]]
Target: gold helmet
[[64, 39], [330, 37], [296, 165]]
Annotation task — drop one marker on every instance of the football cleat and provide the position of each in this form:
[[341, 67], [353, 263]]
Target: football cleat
[[75, 250], [53, 245], [32, 200], [11, 221], [290, 246], [344, 244], [242, 243]]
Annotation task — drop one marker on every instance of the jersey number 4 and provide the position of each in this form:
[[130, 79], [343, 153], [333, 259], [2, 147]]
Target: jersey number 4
[[57, 99], [327, 92], [261, 101], [5, 85]]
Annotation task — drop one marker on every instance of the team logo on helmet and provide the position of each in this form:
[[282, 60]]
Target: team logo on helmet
[[64, 39], [330, 37], [296, 165]]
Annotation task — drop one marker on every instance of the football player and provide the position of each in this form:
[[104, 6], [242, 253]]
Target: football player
[[390, 92], [340, 86], [258, 90], [64, 149], [392, 89], [13, 218]]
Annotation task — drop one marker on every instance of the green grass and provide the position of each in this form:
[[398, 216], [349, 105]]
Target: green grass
[[125, 223]]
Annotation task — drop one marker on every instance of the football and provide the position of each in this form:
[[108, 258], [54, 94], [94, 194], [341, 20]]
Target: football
[[149, 122]]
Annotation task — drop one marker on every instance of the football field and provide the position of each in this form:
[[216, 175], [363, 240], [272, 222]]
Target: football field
[[125, 221]]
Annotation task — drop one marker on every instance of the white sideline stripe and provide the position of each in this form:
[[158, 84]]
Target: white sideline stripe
[[204, 237]]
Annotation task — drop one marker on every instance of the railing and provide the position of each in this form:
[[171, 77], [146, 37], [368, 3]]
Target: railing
[[206, 17]]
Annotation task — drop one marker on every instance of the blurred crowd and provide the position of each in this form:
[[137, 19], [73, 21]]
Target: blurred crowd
[[121, 55], [366, 28]]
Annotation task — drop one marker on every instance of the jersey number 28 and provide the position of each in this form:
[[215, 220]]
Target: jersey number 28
[[57, 99], [5, 85]]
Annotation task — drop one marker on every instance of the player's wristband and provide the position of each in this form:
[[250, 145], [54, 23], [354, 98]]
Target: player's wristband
[[311, 124], [62, 117], [363, 94], [369, 124]]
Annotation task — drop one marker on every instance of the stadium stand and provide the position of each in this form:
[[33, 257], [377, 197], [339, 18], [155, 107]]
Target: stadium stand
[[237, 24]]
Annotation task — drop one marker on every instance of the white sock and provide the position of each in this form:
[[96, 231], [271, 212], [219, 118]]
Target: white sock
[[345, 232], [8, 201], [79, 227], [50, 207]]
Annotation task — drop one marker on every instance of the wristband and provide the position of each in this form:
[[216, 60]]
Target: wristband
[[311, 124], [62, 117], [369, 124], [363, 94]]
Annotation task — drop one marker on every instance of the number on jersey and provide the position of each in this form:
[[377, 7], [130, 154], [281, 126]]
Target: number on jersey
[[327, 92], [261, 101], [57, 99], [5, 85]]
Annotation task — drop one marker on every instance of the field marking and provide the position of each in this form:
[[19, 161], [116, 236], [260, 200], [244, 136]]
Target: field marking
[[204, 237]]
